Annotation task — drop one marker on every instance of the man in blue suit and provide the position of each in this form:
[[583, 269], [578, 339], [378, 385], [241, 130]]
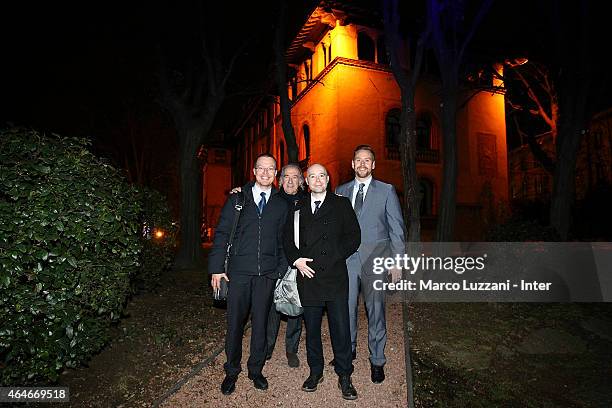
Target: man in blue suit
[[382, 234]]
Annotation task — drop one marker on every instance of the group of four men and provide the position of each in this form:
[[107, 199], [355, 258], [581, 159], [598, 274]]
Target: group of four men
[[339, 234]]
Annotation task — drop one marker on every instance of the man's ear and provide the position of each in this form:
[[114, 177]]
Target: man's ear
[[373, 165], [353, 164]]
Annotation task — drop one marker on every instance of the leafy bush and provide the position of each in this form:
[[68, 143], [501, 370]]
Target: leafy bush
[[69, 243], [159, 239]]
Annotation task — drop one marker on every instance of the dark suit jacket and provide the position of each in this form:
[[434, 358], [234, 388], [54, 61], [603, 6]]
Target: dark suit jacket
[[258, 242], [328, 238]]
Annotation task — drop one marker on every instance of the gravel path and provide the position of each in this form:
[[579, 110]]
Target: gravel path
[[285, 383]]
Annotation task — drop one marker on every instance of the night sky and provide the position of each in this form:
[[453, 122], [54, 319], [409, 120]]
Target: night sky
[[89, 69]]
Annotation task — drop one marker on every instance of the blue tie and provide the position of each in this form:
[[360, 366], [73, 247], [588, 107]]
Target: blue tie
[[262, 202]]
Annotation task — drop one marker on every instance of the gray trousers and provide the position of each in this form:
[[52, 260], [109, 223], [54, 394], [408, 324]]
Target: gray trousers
[[292, 336], [374, 301]]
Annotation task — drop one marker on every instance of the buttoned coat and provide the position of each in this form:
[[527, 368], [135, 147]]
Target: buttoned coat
[[329, 238]]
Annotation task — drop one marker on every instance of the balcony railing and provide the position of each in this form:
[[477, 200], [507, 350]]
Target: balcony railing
[[422, 156]]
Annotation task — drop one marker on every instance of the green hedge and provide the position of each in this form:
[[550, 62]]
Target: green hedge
[[159, 239], [69, 244]]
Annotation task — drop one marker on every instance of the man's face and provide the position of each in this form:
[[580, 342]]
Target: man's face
[[363, 163], [291, 180], [265, 171], [317, 178]]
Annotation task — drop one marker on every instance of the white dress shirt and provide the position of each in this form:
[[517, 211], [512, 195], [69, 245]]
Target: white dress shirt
[[257, 193]]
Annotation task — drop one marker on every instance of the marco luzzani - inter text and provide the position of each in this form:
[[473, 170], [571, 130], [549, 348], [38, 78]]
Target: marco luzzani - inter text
[[458, 265]]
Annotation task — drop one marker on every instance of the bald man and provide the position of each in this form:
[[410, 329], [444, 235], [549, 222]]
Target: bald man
[[329, 234]]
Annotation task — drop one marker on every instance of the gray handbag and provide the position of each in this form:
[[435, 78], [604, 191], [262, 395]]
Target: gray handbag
[[286, 296]]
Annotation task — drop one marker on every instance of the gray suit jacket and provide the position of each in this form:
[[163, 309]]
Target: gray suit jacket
[[381, 223]]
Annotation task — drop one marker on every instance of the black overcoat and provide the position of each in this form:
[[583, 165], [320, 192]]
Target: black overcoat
[[329, 237]]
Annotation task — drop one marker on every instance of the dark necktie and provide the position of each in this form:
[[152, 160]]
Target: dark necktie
[[262, 202], [317, 204], [359, 199]]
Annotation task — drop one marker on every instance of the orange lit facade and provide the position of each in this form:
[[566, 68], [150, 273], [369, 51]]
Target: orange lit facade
[[343, 94], [216, 182]]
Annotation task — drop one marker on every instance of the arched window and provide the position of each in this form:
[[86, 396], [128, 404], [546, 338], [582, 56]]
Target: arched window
[[365, 47], [423, 132], [304, 144], [306, 130], [426, 192], [381, 51], [392, 134], [281, 149]]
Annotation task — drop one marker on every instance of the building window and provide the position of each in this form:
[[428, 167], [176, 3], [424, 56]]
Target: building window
[[308, 69], [294, 88], [325, 59], [365, 47], [306, 130], [423, 132], [304, 147], [281, 149], [304, 144], [393, 130], [381, 51]]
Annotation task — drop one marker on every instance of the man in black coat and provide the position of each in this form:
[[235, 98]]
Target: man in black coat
[[292, 183], [257, 260], [328, 234]]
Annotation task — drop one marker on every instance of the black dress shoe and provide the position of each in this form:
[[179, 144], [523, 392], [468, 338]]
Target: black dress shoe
[[378, 373], [293, 360], [346, 386], [312, 382], [259, 381], [229, 384], [333, 362]]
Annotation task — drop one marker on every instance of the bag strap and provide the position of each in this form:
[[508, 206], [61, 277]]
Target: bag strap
[[238, 204]]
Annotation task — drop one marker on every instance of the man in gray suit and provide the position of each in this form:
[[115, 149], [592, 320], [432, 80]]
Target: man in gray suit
[[382, 234]]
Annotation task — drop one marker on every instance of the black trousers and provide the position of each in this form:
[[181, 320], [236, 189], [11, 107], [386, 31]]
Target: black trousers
[[339, 331], [292, 336], [247, 293]]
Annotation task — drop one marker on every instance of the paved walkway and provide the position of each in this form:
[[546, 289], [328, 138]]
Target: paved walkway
[[285, 383]]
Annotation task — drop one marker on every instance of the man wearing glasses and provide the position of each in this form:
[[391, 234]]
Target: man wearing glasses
[[256, 261], [292, 190]]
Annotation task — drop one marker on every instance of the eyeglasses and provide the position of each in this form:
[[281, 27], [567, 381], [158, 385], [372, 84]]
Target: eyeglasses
[[265, 169]]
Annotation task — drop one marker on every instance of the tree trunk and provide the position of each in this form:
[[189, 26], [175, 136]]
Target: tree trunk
[[564, 182], [281, 81], [573, 101], [409, 172], [190, 255], [446, 215]]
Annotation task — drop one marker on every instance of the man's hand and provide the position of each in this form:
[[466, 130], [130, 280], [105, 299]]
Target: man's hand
[[235, 190], [304, 269], [215, 281], [396, 274]]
